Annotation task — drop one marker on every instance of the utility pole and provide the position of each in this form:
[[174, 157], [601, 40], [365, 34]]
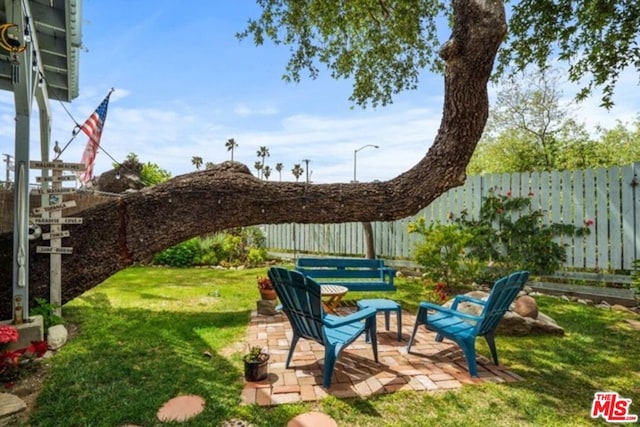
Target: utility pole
[[306, 168], [8, 159]]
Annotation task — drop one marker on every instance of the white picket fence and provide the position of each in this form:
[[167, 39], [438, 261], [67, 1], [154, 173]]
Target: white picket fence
[[609, 198]]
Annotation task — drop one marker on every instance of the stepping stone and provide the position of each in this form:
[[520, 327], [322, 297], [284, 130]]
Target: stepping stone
[[312, 419], [11, 404], [181, 408], [634, 324]]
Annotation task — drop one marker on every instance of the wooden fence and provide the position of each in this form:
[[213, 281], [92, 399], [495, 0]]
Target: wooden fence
[[607, 199]]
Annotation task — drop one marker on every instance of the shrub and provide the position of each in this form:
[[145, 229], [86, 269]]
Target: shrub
[[181, 255], [235, 247], [48, 312], [442, 252], [256, 257], [508, 235]]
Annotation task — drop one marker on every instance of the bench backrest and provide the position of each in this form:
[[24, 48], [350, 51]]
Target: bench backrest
[[357, 274]]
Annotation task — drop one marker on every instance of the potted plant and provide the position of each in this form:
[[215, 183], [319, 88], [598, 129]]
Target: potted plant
[[256, 363], [266, 288]]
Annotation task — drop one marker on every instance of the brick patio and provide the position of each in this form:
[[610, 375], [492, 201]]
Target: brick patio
[[432, 366]]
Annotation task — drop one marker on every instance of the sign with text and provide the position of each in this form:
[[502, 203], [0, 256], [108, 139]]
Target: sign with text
[[54, 250], [53, 191], [56, 178], [58, 207], [45, 221], [78, 167], [58, 235]]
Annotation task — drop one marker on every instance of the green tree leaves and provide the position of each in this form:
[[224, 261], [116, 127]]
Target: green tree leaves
[[382, 45]]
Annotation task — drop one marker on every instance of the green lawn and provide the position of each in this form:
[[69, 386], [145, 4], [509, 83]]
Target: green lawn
[[142, 335]]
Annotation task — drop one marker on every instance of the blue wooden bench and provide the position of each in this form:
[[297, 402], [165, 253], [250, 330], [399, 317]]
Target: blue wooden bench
[[355, 274]]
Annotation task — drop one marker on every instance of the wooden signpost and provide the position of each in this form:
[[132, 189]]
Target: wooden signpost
[[51, 214]]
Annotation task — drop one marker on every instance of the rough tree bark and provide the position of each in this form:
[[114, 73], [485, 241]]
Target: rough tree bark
[[369, 240], [132, 229]]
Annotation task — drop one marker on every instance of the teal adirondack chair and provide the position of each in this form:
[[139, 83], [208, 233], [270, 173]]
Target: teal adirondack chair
[[301, 302], [463, 328]]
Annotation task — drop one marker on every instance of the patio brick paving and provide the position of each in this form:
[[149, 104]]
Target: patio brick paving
[[431, 366]]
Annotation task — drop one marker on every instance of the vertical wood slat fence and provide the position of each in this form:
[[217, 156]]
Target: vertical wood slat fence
[[609, 198]]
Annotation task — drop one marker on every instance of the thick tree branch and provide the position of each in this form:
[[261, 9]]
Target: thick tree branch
[[129, 230]]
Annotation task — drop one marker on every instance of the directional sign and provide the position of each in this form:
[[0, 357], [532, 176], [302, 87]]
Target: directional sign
[[55, 178], [78, 167], [58, 207], [53, 191], [44, 221], [58, 235], [53, 250]]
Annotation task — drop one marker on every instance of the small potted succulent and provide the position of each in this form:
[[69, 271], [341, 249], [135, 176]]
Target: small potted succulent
[[266, 288], [256, 363]]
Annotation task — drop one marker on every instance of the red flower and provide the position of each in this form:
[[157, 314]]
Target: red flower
[[39, 348], [508, 193], [589, 222], [264, 283], [8, 334]]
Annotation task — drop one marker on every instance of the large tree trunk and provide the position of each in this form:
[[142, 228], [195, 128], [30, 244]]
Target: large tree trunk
[[370, 244], [133, 228]]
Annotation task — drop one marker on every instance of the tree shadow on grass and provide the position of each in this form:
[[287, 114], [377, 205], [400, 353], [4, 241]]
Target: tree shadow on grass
[[127, 362], [597, 353]]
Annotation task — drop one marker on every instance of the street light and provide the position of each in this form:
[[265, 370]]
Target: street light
[[306, 168], [355, 152]]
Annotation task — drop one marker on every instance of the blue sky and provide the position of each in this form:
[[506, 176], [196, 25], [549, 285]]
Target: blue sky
[[184, 85]]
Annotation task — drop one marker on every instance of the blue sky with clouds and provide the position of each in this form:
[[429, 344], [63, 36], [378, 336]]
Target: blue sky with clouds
[[184, 84]]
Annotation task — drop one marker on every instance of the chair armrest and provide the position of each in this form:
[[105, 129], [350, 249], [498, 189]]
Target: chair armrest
[[337, 321], [449, 311], [464, 298]]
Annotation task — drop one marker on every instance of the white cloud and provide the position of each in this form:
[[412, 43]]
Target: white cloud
[[244, 110]]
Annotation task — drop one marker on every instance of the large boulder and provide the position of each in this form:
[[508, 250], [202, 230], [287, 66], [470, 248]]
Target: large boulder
[[526, 306]]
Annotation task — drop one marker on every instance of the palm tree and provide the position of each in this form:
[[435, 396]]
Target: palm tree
[[263, 152], [279, 167], [231, 145], [196, 161], [209, 165], [297, 171], [266, 172], [258, 166]]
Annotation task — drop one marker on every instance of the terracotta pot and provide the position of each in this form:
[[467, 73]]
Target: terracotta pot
[[269, 294]]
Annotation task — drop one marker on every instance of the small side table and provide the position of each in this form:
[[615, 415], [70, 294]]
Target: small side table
[[334, 294], [386, 306]]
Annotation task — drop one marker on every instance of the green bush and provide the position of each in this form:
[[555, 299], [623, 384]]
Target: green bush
[[181, 255], [508, 235], [48, 312], [256, 257], [442, 252], [236, 246]]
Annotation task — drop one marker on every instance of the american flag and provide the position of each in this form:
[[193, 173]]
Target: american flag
[[93, 128]]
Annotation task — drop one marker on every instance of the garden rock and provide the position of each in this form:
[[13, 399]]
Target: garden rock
[[618, 307], [10, 404], [56, 337], [526, 306]]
